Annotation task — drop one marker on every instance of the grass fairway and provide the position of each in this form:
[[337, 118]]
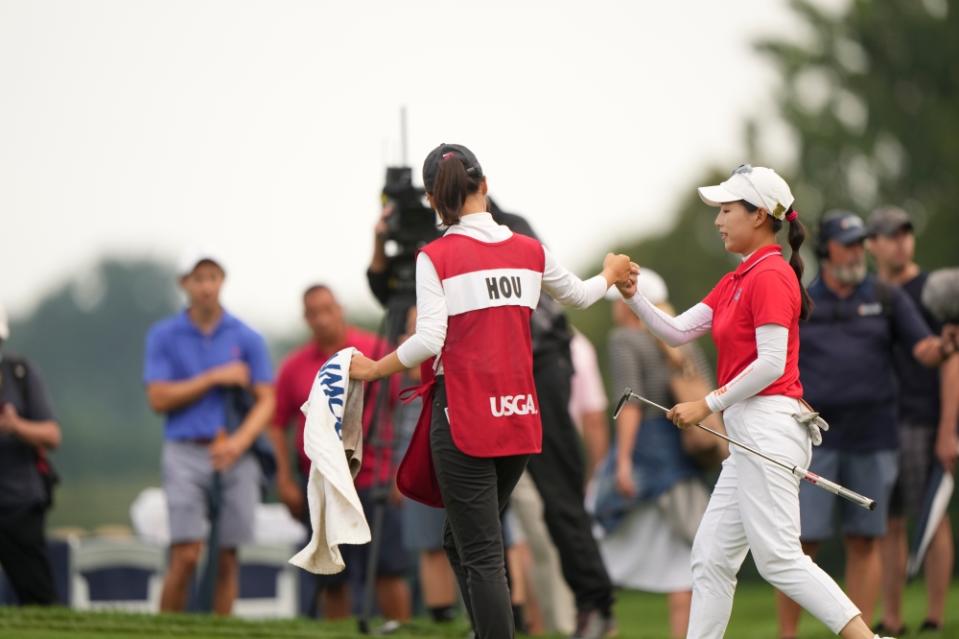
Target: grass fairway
[[640, 616]]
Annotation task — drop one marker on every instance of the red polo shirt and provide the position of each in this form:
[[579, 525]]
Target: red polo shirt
[[763, 290], [293, 386]]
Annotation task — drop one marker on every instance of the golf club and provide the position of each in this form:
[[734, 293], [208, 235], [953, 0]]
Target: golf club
[[798, 471]]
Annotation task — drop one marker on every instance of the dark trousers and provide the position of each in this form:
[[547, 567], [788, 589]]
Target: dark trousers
[[559, 475], [475, 491], [23, 555]]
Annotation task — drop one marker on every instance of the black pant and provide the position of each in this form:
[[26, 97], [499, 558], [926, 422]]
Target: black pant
[[475, 492], [559, 474], [23, 555]]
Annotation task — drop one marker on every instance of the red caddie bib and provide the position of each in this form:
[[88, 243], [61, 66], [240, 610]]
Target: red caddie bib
[[491, 290]]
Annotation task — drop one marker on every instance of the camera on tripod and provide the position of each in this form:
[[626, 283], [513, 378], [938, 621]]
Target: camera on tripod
[[410, 226]]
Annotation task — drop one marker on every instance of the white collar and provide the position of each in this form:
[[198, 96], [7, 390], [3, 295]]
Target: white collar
[[478, 219], [480, 226]]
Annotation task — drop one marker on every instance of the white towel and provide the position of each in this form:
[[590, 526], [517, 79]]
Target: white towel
[[335, 509]]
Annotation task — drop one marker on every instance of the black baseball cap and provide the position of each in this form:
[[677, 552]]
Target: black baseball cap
[[431, 165], [843, 226], [888, 221]]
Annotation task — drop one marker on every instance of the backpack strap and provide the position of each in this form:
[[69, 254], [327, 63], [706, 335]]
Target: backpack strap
[[884, 295], [19, 367]]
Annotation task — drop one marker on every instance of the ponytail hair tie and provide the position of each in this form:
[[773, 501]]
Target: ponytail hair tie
[[792, 215], [448, 155]]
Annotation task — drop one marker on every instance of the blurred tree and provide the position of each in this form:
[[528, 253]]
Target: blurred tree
[[872, 96], [87, 337]]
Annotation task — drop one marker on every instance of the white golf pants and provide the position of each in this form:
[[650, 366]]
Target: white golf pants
[[755, 506]]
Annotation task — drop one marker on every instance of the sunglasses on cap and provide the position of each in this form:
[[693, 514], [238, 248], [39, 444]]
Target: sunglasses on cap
[[744, 170]]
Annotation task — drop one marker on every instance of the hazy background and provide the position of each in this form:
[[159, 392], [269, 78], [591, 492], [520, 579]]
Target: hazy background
[[129, 130]]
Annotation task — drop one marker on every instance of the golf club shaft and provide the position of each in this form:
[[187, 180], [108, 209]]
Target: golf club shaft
[[800, 472]]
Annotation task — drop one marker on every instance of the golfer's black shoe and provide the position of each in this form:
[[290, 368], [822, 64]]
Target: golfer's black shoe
[[930, 626], [882, 629]]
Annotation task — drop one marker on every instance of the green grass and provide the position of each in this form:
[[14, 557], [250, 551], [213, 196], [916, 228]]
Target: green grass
[[640, 616]]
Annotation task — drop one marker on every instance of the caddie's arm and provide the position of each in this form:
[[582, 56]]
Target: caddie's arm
[[426, 341], [367, 370]]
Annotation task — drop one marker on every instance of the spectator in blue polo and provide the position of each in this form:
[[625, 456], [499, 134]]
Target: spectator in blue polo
[[847, 370], [195, 361]]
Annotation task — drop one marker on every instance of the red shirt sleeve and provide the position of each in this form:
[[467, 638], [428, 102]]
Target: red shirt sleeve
[[774, 298], [285, 398]]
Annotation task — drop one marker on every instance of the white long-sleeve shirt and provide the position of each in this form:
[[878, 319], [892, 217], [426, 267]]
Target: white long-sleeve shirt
[[771, 344], [431, 309]]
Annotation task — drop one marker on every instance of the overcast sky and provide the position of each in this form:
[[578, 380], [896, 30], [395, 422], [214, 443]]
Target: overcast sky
[[263, 128]]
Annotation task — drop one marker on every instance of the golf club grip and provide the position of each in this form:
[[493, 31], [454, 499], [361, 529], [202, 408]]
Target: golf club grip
[[836, 489]]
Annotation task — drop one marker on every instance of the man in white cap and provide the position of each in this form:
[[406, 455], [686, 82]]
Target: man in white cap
[[27, 430], [194, 362]]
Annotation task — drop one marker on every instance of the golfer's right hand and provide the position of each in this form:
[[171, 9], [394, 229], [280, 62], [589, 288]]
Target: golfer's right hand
[[688, 414], [628, 288], [290, 494], [231, 374], [624, 480]]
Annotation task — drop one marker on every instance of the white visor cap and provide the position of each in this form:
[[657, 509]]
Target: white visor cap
[[760, 186]]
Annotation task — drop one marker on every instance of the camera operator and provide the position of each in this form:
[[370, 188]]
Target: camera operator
[[559, 471], [379, 273]]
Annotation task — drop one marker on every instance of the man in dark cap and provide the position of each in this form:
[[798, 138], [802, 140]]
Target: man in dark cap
[[927, 435], [847, 370]]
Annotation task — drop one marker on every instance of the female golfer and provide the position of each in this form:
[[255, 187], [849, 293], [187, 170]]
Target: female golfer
[[476, 288], [754, 315]]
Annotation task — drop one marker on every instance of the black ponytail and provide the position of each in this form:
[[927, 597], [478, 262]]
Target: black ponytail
[[453, 184], [797, 235]]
